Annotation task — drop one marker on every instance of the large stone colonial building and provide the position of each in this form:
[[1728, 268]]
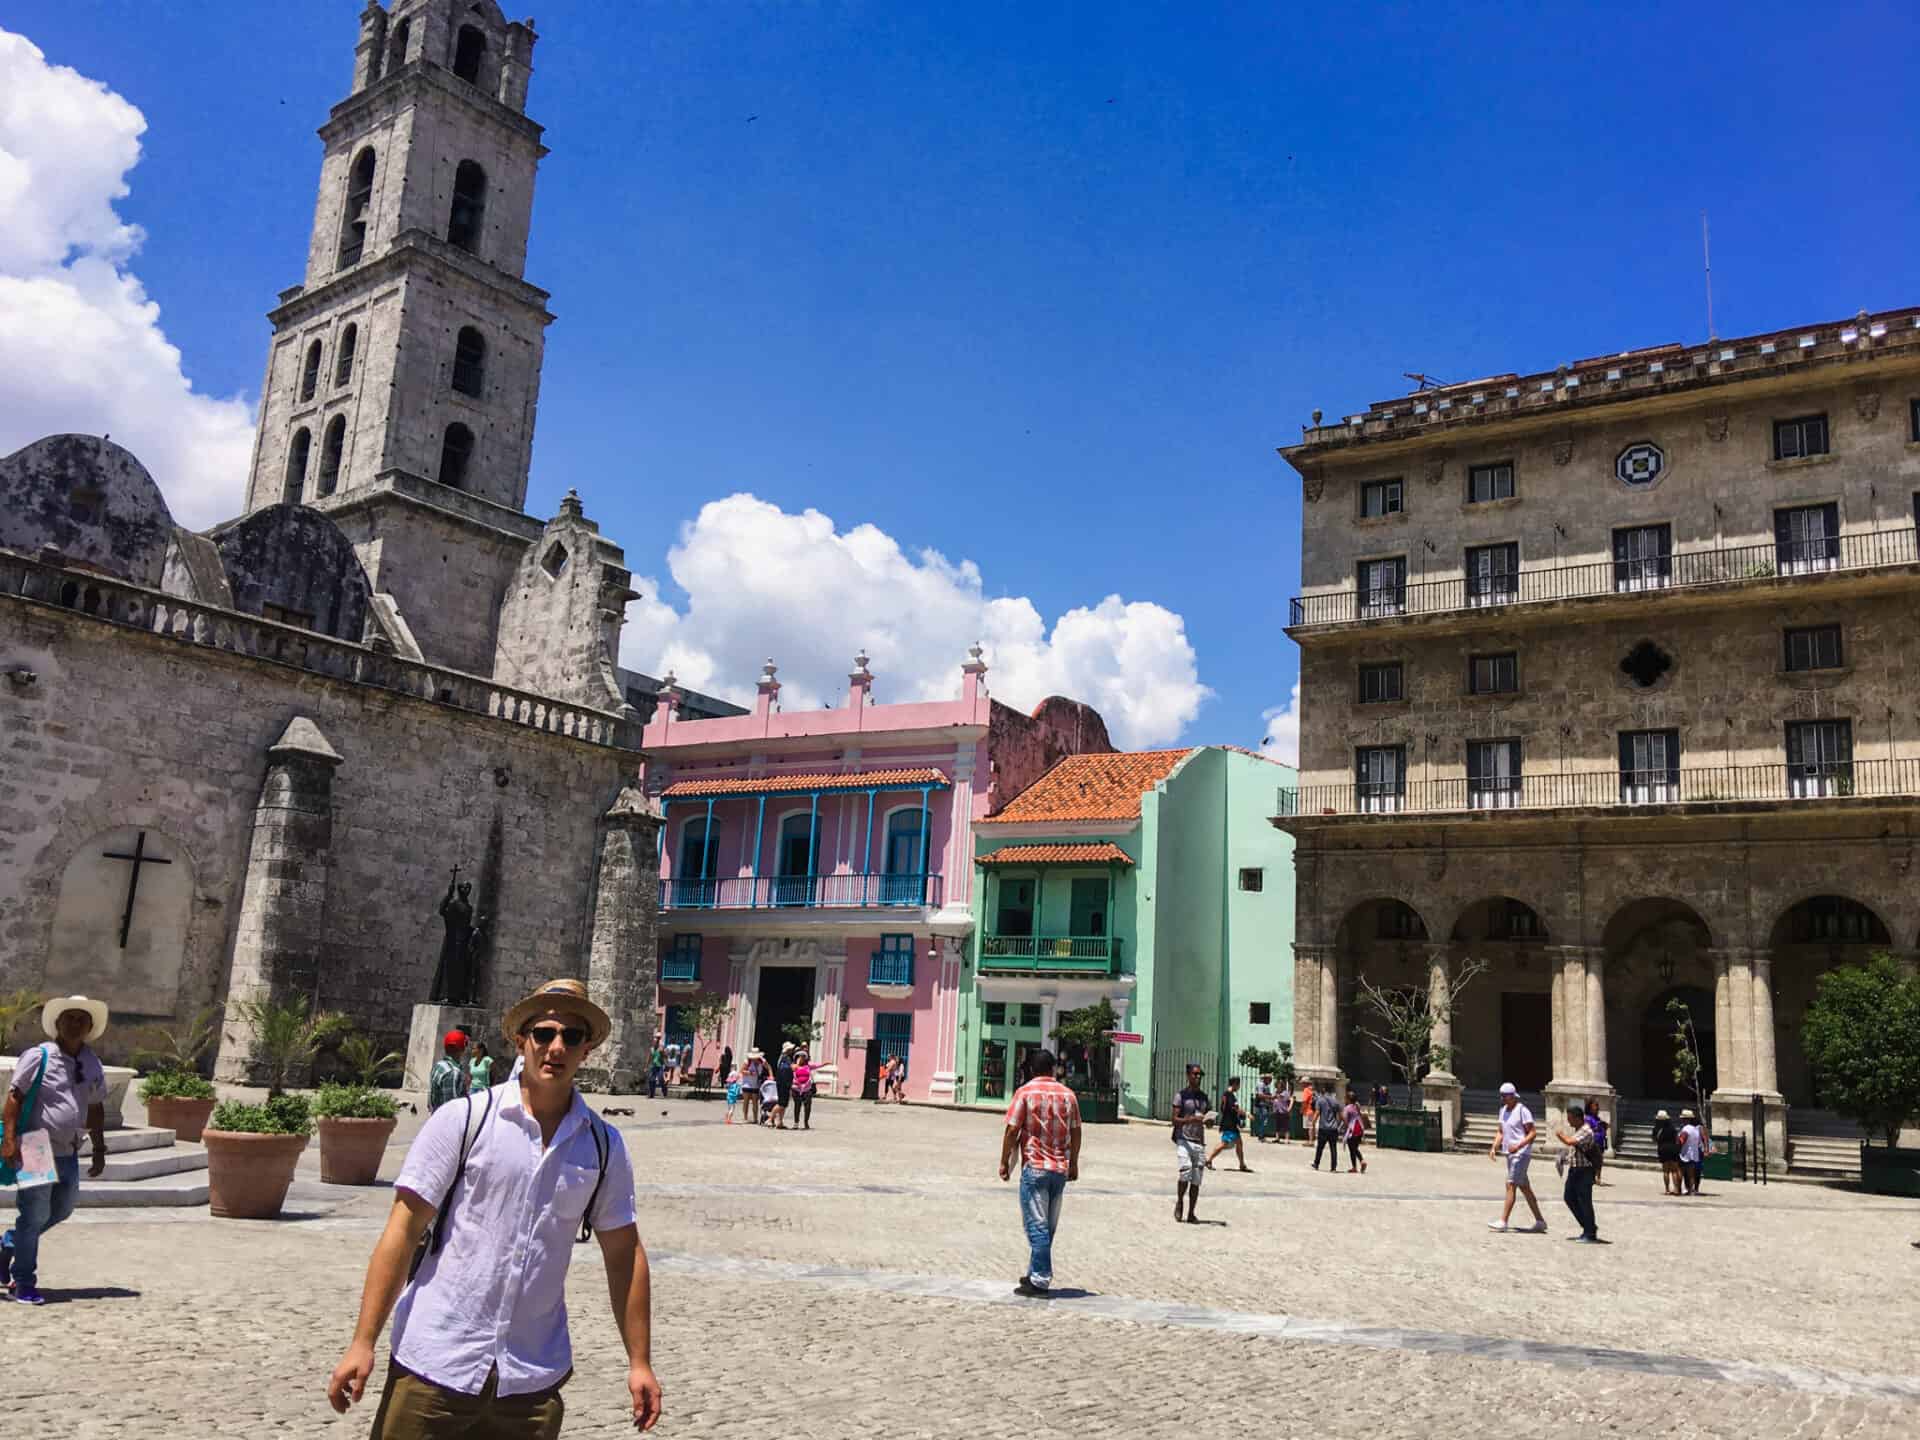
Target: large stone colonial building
[[1609, 679], [245, 763]]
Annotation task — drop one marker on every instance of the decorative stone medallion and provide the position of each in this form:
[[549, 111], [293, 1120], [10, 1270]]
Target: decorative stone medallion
[[1866, 404], [1640, 465], [1313, 485], [1716, 427]]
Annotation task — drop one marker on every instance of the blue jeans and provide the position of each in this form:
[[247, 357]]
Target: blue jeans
[[1041, 1192], [40, 1209]]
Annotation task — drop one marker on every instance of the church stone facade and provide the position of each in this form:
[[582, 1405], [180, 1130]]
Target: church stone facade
[[1608, 682], [244, 763]]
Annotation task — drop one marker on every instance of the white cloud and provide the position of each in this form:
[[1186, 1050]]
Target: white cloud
[[1283, 729], [762, 582], [81, 348]]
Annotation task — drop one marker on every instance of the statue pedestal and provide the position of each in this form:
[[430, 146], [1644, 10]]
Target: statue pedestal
[[430, 1026]]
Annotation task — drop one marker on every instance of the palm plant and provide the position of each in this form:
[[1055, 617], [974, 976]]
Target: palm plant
[[286, 1038], [367, 1068], [14, 1008], [177, 1051]]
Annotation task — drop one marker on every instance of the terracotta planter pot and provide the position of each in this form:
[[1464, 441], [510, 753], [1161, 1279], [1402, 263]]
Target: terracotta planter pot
[[351, 1150], [248, 1175], [186, 1118]]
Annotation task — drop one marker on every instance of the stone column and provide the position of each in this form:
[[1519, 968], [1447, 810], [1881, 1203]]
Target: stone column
[[622, 952], [1306, 1005], [1330, 1010], [280, 934], [1765, 1072], [1440, 1087], [1578, 990], [1749, 1070], [1723, 1019], [1597, 1018]]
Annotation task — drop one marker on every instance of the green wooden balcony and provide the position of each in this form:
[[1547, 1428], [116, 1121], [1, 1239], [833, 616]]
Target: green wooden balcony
[[1049, 955]]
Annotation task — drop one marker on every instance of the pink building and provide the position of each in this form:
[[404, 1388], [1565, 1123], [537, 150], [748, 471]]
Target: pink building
[[816, 866]]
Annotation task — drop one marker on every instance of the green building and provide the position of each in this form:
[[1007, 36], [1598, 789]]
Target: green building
[[1150, 879]]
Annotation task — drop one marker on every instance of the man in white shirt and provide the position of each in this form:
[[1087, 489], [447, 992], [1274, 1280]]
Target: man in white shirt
[[480, 1344], [1515, 1141]]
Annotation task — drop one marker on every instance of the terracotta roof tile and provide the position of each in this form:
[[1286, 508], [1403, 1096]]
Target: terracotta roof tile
[[1103, 852], [792, 784], [1091, 787]]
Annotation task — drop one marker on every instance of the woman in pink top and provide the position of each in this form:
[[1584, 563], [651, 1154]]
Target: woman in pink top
[[802, 1091]]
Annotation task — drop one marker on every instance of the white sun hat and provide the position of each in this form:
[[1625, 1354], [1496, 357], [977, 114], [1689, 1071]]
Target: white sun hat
[[59, 1005]]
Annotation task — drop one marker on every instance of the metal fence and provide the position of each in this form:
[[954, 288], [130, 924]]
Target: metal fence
[[1637, 575], [860, 891]]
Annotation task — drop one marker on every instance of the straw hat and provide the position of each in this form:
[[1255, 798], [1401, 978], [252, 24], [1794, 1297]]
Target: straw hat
[[569, 996], [1688, 1115], [1662, 1115], [59, 1005]]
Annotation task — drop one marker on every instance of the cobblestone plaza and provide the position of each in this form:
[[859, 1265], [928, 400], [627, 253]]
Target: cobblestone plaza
[[857, 1280]]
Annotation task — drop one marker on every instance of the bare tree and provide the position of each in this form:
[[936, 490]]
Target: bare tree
[[1399, 1022]]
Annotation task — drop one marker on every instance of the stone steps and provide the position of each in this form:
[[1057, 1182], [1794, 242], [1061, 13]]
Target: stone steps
[[145, 1167]]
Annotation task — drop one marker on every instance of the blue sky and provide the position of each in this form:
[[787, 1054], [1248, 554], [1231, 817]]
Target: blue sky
[[1042, 288]]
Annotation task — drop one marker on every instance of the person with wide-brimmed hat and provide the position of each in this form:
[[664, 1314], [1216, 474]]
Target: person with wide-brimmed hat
[[504, 1181], [59, 1089]]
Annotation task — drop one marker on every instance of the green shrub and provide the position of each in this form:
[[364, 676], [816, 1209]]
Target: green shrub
[[353, 1102], [175, 1085], [280, 1115]]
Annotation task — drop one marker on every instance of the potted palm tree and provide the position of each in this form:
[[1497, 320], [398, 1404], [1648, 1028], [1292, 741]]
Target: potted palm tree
[[177, 1096], [356, 1119], [252, 1149]]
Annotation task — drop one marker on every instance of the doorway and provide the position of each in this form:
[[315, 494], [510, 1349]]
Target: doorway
[[1526, 1040], [1660, 1047], [786, 997]]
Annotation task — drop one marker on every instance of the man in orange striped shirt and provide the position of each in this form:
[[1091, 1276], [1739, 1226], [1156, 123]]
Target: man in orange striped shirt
[[1043, 1125]]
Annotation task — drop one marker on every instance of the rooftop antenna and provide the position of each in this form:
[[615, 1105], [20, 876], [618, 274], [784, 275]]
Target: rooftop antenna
[[1423, 382], [1706, 255]]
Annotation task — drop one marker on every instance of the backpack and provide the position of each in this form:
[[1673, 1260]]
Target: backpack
[[8, 1171]]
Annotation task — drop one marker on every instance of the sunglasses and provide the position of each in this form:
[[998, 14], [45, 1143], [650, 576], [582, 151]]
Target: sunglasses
[[543, 1035]]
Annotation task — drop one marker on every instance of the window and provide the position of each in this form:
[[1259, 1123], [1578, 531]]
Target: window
[[1643, 558], [1913, 421], [1493, 674], [1380, 775], [331, 447], [1819, 758], [469, 205], [693, 882], [1253, 878], [905, 859], [1836, 918], [310, 373], [469, 49], [1493, 574], [1493, 774], [1807, 538], [682, 962], [1087, 907], [297, 454], [1815, 647], [1649, 767], [1380, 683], [286, 615], [397, 47], [469, 361], [1030, 1016], [1380, 497], [343, 361], [353, 220], [995, 1012], [1383, 586], [1259, 1012], [1796, 439], [1490, 482], [1516, 920], [892, 963], [456, 451], [1397, 920]]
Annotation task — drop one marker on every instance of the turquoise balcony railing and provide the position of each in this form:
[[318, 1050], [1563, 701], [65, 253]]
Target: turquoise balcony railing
[[1049, 955], [805, 892]]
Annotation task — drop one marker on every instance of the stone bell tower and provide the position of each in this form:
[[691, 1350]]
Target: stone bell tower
[[404, 372]]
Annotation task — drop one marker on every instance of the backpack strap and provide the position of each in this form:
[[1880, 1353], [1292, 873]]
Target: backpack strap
[[436, 1236], [602, 1147]]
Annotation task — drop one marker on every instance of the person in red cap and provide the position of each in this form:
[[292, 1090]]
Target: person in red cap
[[450, 1079]]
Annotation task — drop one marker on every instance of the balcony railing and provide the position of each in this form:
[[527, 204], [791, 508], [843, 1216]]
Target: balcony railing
[[679, 969], [1050, 954], [1641, 575], [1825, 780], [890, 967], [803, 892]]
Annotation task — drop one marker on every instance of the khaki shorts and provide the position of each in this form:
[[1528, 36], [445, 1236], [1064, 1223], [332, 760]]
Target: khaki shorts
[[415, 1409], [1517, 1166]]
